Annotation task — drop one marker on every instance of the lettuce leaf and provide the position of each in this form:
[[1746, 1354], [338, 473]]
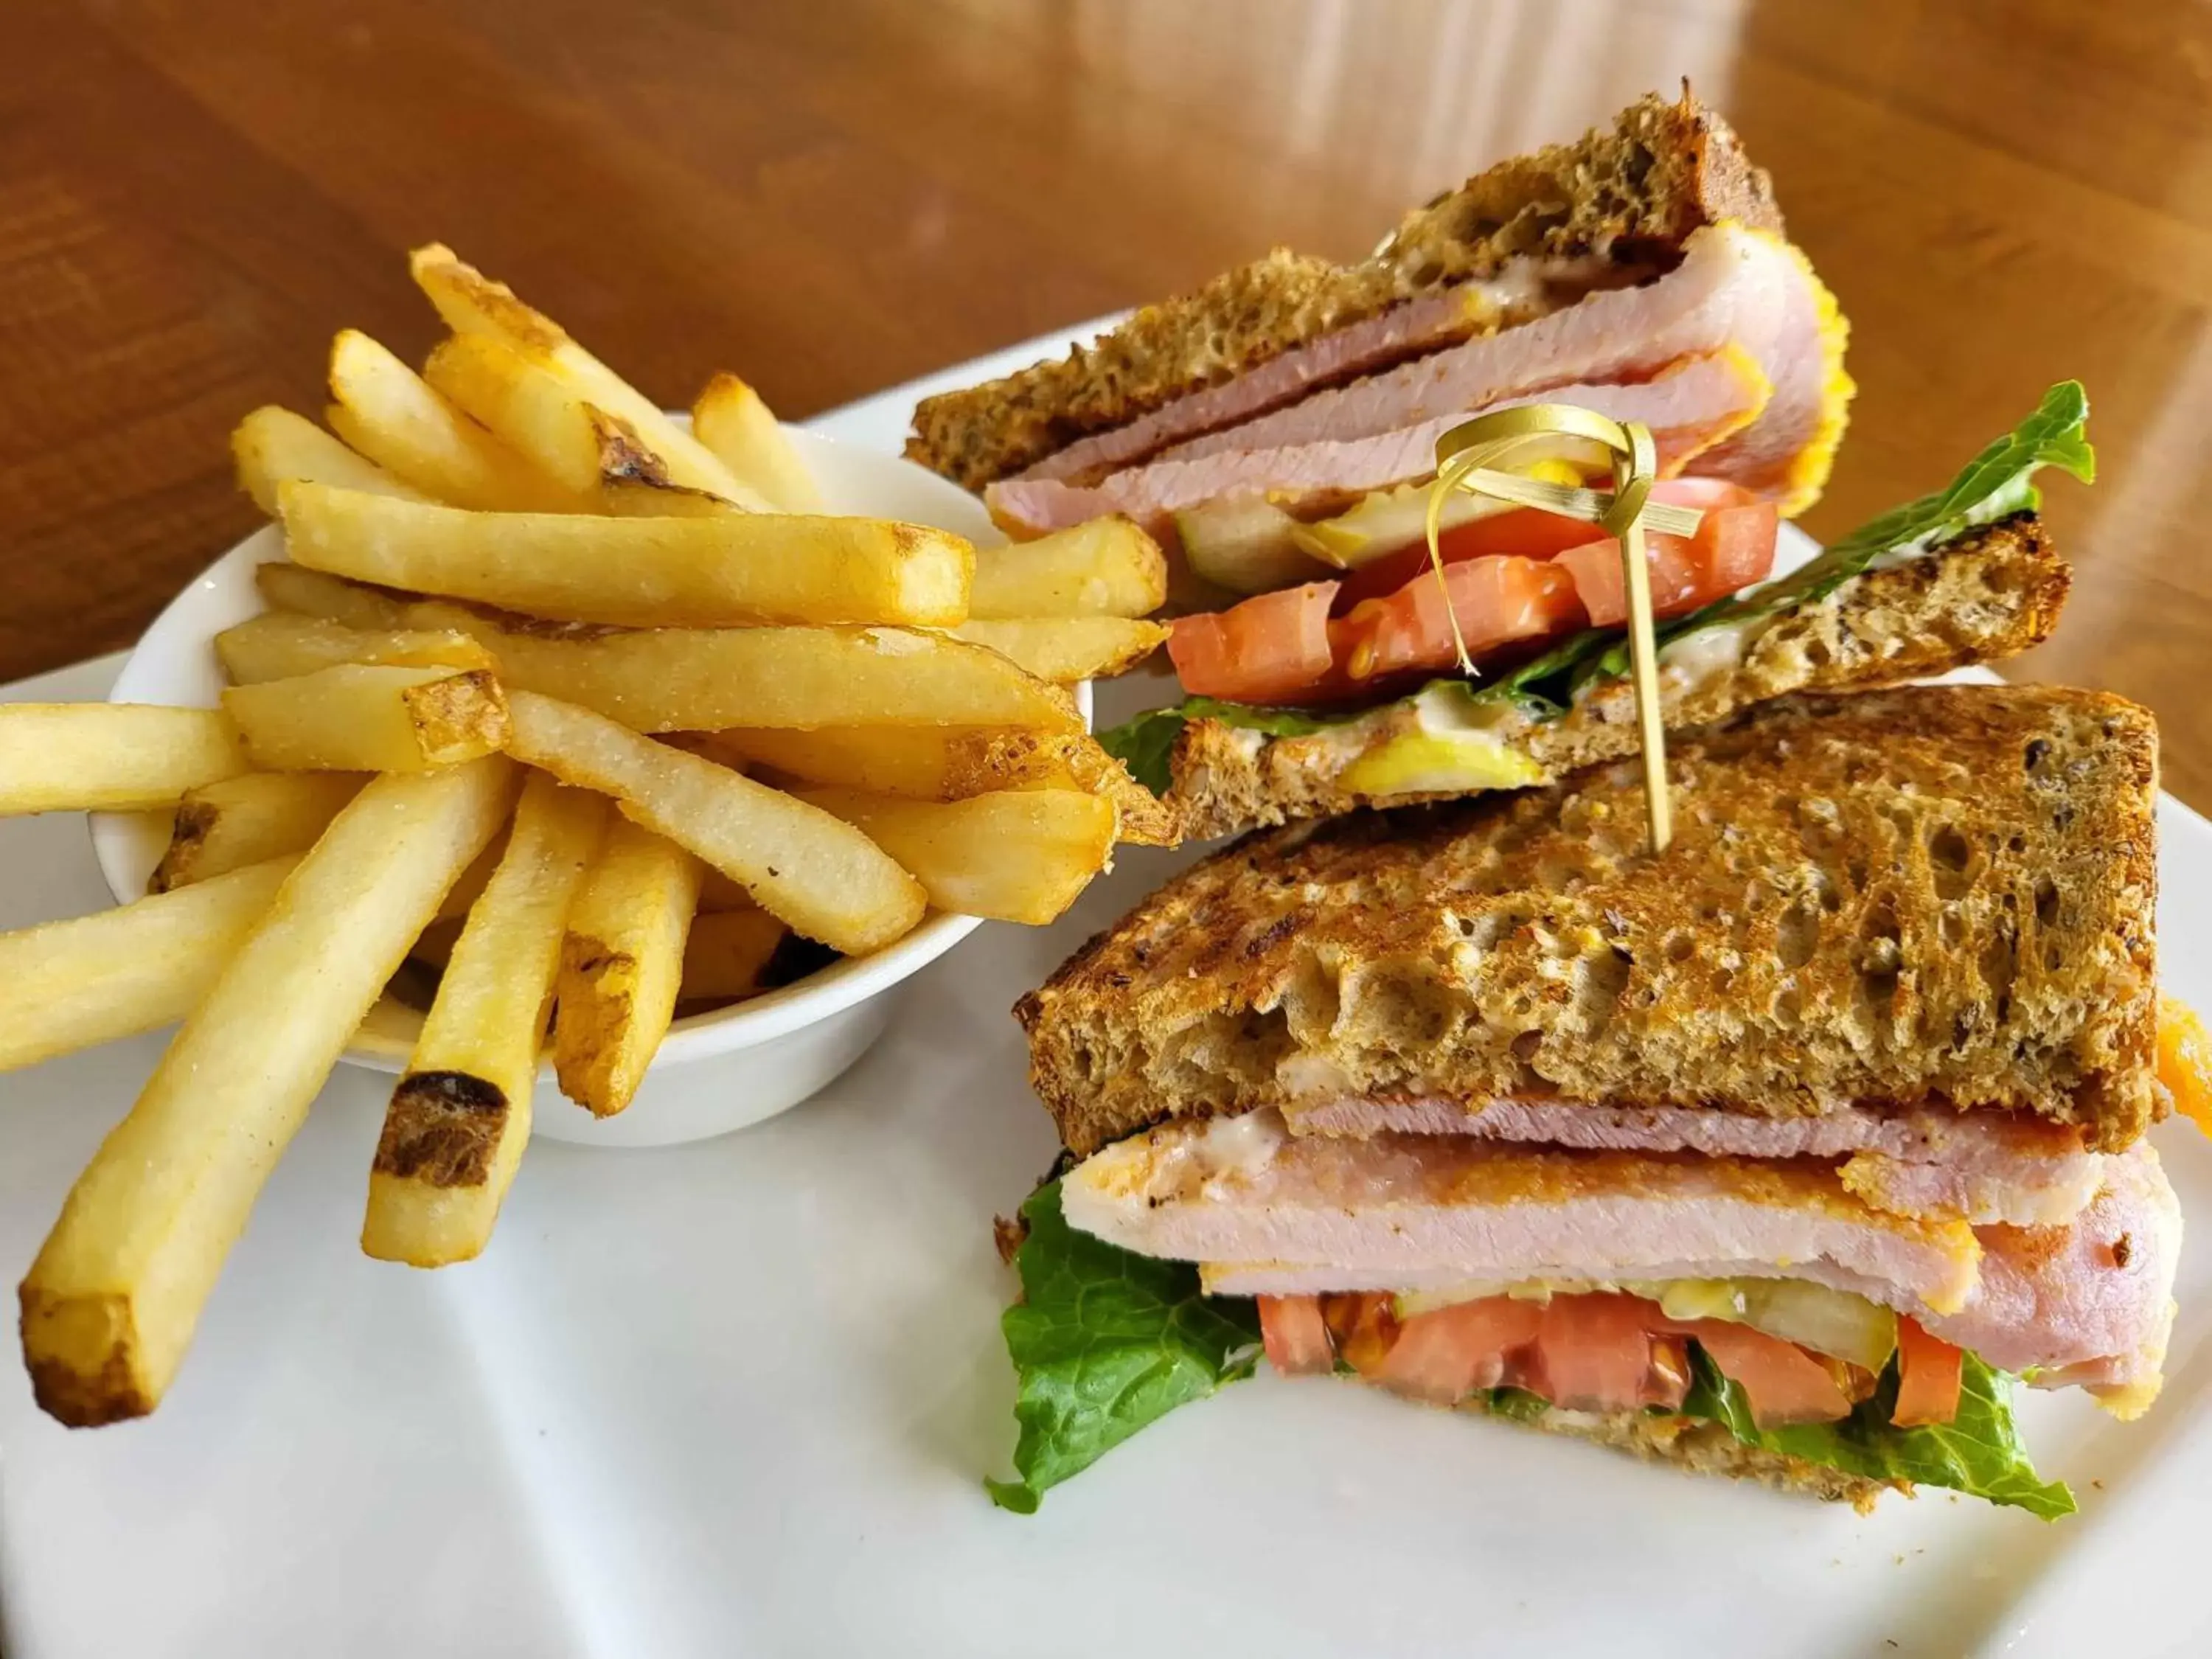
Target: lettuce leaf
[[1106, 1342], [1996, 483], [1978, 1453]]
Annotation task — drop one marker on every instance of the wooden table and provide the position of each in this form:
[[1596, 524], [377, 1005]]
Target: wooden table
[[833, 195]]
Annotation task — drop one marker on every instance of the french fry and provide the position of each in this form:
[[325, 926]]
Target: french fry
[[944, 763], [110, 756], [621, 965], [389, 413], [941, 763], [115, 973], [733, 568], [825, 878], [644, 498], [1104, 567], [307, 593], [359, 719], [272, 446], [687, 679], [471, 304], [109, 1305], [727, 952], [241, 821], [278, 646], [730, 419], [454, 1132], [536, 413], [1020, 856], [1066, 649], [679, 679]]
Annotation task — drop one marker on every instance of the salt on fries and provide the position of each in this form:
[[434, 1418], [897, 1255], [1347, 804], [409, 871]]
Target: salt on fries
[[579, 715]]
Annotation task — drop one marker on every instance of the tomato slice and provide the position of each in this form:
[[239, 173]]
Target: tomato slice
[[1594, 1352], [1525, 533], [1734, 547], [1927, 1372], [1445, 1355], [1498, 601], [1295, 1335], [1784, 1383], [1270, 648]]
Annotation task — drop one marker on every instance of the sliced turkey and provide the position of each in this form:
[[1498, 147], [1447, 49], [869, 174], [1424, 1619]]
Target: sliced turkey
[[1271, 1214], [1693, 404], [1414, 1212]]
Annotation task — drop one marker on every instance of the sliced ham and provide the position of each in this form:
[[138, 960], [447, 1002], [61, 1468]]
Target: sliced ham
[[1522, 291], [1272, 1213], [1784, 454], [1404, 330], [1982, 1166], [1731, 288], [1692, 404]]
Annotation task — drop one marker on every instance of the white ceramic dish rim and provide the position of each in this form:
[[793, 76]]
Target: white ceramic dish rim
[[126, 851]]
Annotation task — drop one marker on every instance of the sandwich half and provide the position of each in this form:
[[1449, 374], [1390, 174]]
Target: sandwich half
[[1781, 1154], [1647, 247]]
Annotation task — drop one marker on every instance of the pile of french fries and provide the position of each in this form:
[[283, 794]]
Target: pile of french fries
[[574, 714]]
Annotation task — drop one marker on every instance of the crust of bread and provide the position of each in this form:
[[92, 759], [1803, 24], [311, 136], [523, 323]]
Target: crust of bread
[[1701, 1448], [1992, 593], [1926, 895], [1635, 191]]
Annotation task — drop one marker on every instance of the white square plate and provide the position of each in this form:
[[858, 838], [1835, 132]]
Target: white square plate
[[739, 1397]]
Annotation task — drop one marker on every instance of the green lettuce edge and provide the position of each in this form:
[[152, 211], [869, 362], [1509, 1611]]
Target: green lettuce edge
[[1979, 1452], [1104, 1342], [1996, 483]]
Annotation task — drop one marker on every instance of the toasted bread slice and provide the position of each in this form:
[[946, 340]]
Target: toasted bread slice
[[1701, 1448], [1632, 193], [1935, 896], [1992, 593]]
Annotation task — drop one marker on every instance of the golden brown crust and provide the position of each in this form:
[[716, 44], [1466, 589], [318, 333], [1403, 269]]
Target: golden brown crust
[[1933, 894], [1992, 593], [1637, 190]]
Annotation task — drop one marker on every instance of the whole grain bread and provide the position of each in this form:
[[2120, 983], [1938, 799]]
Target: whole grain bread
[[1991, 593], [1927, 896], [1701, 1448], [1633, 192]]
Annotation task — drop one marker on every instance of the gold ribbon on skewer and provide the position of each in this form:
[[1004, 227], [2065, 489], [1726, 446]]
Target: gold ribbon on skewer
[[1468, 458]]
